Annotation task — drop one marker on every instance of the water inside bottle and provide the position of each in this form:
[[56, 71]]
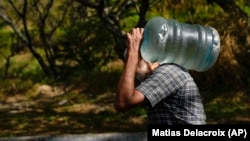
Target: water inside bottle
[[191, 46]]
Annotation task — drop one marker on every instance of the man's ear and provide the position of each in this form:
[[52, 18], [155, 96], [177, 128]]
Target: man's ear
[[155, 65]]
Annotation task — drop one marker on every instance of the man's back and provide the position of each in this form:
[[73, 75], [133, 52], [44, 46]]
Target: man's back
[[173, 97]]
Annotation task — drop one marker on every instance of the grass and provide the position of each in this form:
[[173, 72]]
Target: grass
[[68, 113], [50, 112], [76, 113], [228, 107], [29, 107]]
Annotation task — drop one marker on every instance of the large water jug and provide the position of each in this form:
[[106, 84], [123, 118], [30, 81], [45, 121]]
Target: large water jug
[[191, 46]]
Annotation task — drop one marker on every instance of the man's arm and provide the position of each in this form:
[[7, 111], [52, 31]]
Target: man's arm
[[126, 96]]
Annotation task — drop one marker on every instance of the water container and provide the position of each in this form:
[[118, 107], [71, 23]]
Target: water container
[[191, 46]]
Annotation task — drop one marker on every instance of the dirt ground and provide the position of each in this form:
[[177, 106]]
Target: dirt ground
[[50, 111]]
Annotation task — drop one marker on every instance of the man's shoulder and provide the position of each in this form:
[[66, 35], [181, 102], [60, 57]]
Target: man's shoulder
[[173, 71], [171, 67]]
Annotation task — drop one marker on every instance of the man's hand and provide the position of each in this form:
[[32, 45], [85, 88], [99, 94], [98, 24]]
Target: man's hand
[[134, 41], [126, 96]]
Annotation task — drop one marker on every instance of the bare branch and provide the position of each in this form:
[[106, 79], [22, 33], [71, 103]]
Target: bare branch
[[232, 9], [15, 8], [87, 3], [61, 19], [5, 18], [142, 15], [124, 6]]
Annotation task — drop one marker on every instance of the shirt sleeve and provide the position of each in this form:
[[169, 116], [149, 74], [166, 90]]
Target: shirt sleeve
[[164, 81]]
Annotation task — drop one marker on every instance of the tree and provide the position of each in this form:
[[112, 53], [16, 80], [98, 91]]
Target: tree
[[35, 16], [233, 65], [62, 29], [239, 23], [111, 14]]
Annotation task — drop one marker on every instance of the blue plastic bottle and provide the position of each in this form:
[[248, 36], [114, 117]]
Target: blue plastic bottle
[[191, 46]]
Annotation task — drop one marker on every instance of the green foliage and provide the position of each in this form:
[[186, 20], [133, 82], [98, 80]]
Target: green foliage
[[83, 53], [244, 5], [33, 71], [85, 41], [226, 106], [195, 11]]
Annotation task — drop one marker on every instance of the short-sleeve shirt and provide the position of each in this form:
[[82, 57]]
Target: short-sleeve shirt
[[173, 97]]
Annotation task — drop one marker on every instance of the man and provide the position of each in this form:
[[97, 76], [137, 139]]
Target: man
[[168, 89]]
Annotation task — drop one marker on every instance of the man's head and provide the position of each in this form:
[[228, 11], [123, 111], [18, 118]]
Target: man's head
[[144, 68]]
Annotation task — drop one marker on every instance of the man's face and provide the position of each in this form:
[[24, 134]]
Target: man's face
[[143, 69]]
